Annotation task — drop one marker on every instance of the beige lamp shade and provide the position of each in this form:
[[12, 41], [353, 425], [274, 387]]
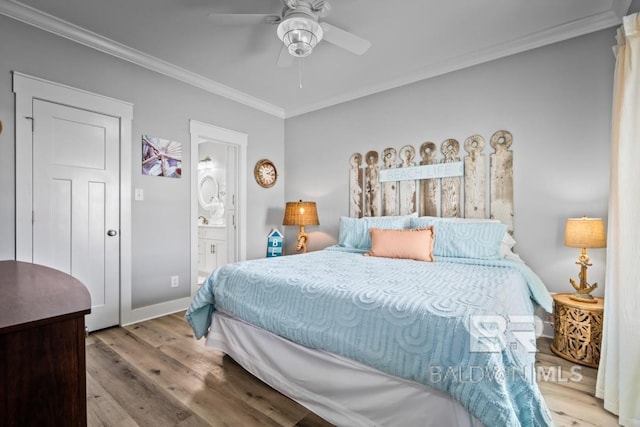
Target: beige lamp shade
[[585, 233], [300, 213]]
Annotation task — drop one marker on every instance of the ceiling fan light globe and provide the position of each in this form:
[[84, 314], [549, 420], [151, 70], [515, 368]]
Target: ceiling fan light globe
[[300, 49], [300, 35]]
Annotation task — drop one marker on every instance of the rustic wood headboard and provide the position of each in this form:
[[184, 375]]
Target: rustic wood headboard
[[393, 184]]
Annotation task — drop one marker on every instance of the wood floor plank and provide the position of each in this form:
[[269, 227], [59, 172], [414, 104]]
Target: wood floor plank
[[554, 369], [212, 404], [141, 398], [573, 408], [189, 351], [218, 372], [312, 420], [103, 410], [90, 339], [280, 407]]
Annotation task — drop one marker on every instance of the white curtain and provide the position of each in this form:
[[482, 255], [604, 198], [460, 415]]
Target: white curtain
[[619, 373]]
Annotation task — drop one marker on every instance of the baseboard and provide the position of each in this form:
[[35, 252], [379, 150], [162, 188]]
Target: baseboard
[[152, 311]]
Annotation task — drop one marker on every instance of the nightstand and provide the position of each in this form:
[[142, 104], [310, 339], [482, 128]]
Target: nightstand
[[577, 329]]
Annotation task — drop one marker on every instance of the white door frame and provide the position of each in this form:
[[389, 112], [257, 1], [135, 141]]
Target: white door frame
[[203, 131], [26, 88]]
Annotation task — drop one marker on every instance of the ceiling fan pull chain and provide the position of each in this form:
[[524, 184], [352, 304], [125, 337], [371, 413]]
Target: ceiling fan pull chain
[[300, 68]]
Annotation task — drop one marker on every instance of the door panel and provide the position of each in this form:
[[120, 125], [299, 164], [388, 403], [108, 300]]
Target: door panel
[[76, 201], [96, 238], [78, 144], [57, 251]]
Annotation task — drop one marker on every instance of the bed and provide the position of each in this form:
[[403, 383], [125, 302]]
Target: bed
[[379, 340]]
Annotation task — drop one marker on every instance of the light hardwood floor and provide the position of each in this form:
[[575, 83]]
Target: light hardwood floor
[[155, 373]]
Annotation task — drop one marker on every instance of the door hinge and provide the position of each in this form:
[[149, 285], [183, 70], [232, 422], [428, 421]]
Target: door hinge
[[33, 122]]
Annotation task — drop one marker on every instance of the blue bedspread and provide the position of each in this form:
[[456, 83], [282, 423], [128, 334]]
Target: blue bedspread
[[408, 318]]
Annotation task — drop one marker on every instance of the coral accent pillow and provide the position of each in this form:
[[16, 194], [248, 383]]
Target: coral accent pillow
[[414, 243]]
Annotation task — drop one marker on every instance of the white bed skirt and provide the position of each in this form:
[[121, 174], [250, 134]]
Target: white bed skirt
[[343, 392]]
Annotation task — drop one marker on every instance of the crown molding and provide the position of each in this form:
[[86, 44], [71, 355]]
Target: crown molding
[[57, 26], [609, 18]]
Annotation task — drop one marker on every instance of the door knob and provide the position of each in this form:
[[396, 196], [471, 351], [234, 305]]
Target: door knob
[[112, 233]]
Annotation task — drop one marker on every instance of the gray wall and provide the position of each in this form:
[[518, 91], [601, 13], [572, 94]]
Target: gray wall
[[162, 107], [556, 101]]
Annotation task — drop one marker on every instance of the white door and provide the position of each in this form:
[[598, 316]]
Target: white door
[[76, 201]]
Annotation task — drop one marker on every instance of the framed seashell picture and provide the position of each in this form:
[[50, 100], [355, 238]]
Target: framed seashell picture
[[161, 157]]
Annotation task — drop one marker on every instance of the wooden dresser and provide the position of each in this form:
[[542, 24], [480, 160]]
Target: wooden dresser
[[42, 346]]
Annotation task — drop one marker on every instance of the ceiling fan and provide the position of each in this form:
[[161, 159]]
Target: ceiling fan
[[299, 29]]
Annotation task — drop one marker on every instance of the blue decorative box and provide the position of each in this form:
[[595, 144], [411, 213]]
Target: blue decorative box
[[274, 245]]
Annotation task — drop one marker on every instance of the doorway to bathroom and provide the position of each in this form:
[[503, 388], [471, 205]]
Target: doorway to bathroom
[[218, 198]]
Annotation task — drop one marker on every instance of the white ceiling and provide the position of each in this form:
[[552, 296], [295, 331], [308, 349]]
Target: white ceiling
[[411, 40]]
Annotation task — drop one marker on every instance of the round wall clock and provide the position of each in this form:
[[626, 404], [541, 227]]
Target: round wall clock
[[265, 173]]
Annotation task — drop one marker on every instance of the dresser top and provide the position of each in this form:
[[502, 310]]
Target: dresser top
[[32, 294]]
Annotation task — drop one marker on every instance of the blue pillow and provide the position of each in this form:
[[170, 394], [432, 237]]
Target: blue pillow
[[423, 221], [354, 232], [468, 239]]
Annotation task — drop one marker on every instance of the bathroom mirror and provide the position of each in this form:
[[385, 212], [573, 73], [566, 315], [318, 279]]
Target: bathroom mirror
[[208, 190], [211, 198]]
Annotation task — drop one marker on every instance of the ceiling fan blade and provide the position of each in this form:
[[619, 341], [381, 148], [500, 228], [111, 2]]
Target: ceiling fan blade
[[242, 18], [345, 39], [285, 59]]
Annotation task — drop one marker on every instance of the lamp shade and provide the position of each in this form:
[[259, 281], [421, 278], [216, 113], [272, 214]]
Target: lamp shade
[[300, 213], [585, 233]]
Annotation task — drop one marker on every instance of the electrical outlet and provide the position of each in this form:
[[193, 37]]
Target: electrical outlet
[[175, 281]]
